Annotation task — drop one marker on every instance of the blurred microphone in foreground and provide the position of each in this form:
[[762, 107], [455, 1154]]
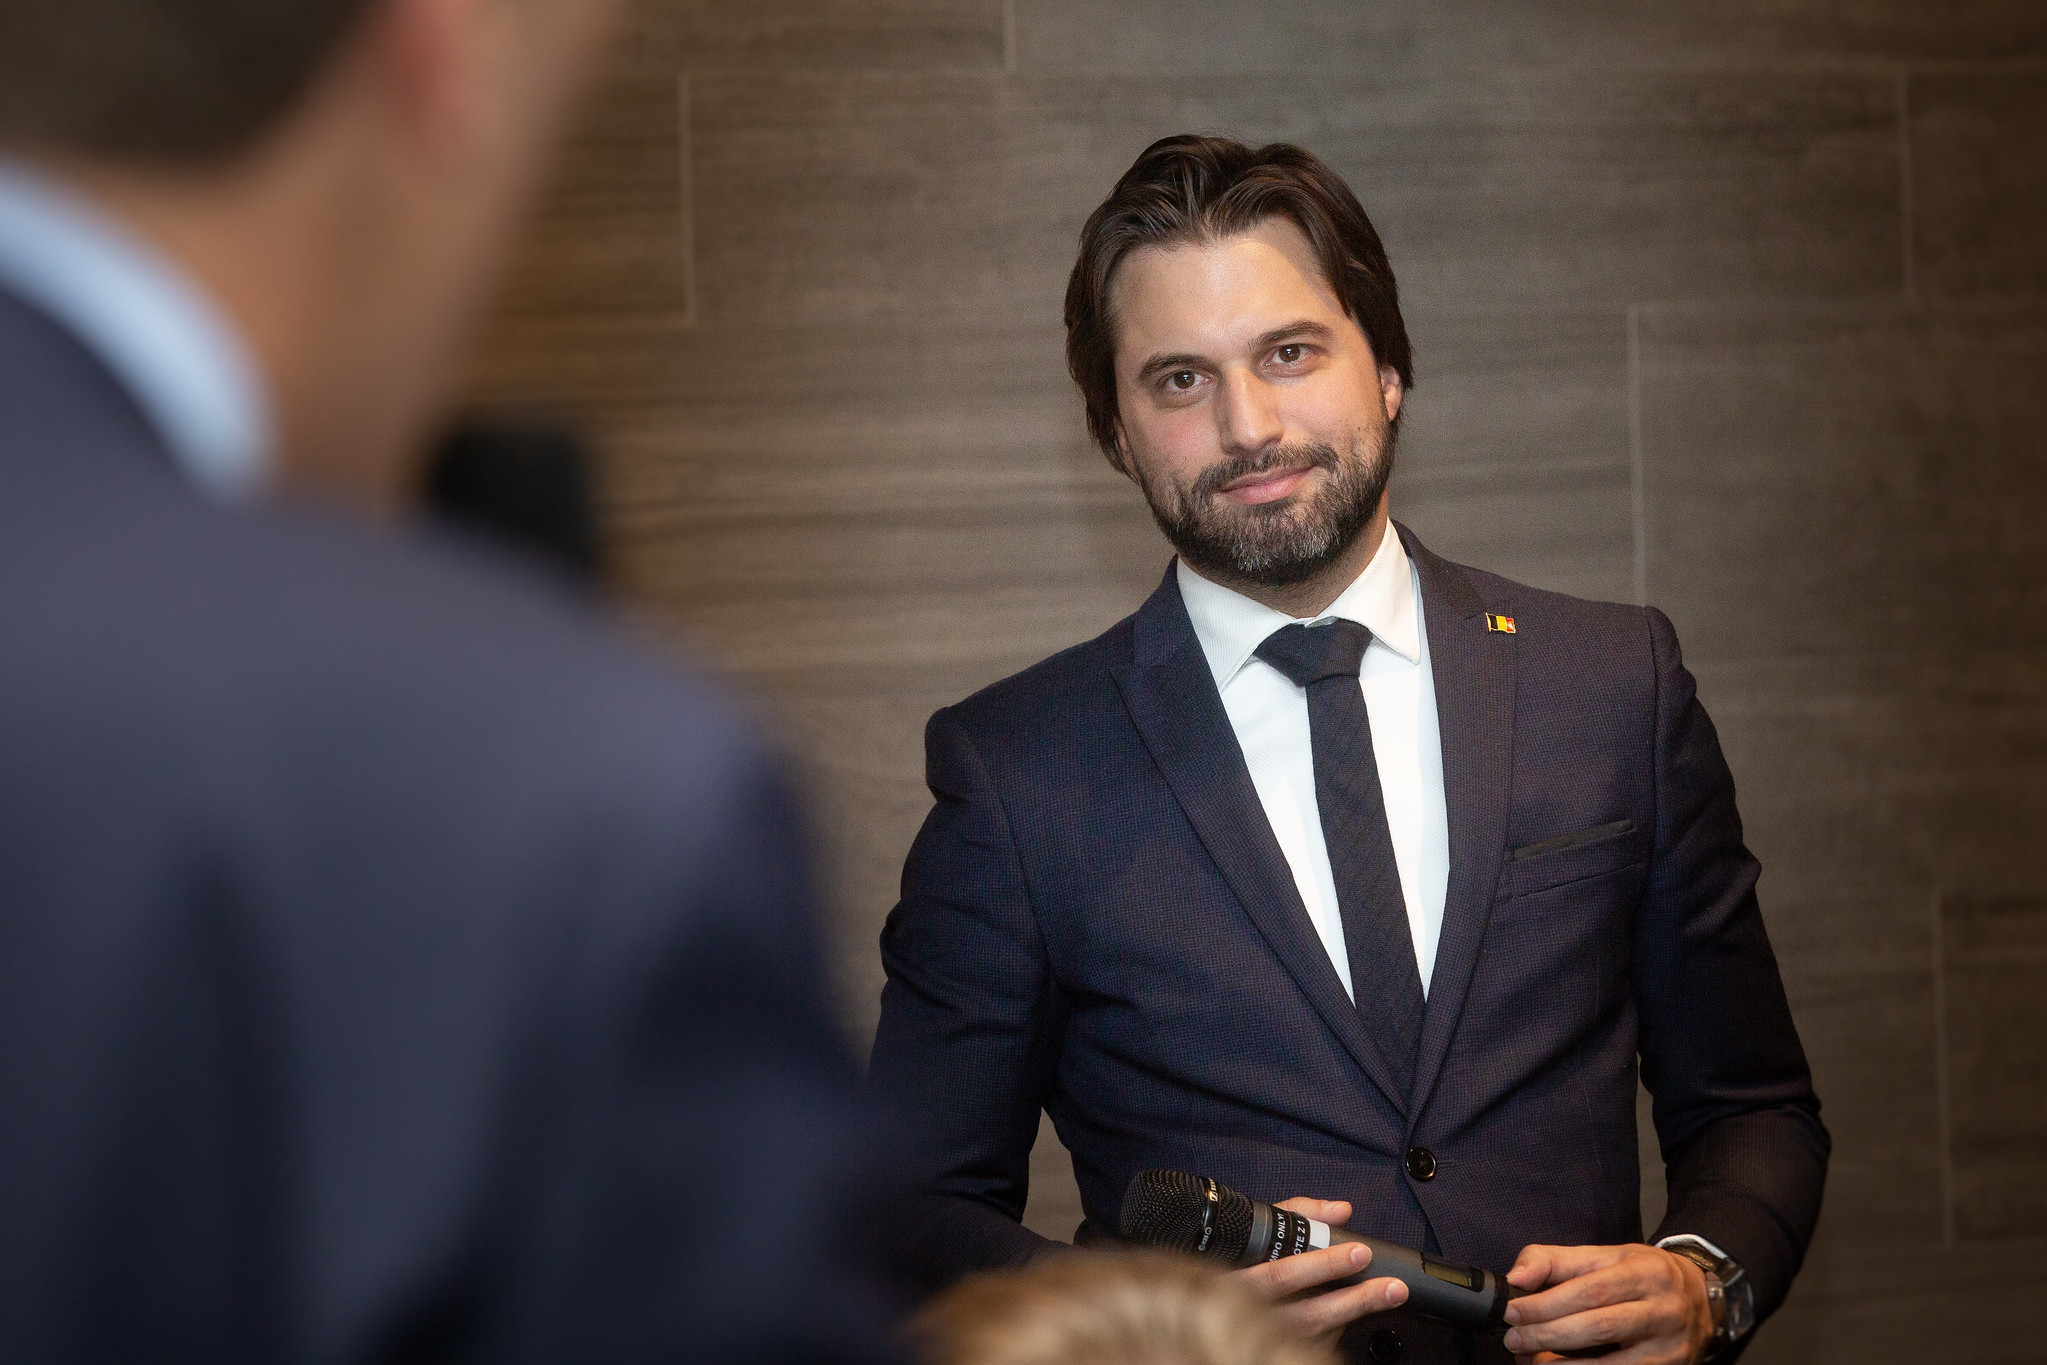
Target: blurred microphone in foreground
[[394, 965], [522, 483]]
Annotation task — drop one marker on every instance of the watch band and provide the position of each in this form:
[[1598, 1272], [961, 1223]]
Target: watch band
[[1728, 1292]]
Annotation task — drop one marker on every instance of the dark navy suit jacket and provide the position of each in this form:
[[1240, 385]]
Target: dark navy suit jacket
[[392, 966], [1096, 919]]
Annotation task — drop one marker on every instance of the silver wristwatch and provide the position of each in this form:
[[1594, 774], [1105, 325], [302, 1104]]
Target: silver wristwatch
[[1728, 1292]]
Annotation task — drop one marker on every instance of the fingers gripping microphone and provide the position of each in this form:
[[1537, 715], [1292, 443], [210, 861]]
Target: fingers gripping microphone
[[1192, 1213]]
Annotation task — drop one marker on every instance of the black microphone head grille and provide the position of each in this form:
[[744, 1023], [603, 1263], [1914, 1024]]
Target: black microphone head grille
[[1180, 1212], [1164, 1209]]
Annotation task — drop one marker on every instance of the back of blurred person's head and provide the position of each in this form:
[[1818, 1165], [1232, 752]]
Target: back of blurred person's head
[[341, 176], [165, 82], [1107, 1308]]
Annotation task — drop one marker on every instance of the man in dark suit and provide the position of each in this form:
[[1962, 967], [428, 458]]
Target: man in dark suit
[[393, 965], [1339, 872]]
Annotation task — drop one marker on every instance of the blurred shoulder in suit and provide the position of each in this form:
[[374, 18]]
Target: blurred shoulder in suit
[[394, 965]]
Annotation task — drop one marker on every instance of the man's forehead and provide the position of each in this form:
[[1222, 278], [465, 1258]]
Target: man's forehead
[[1215, 287]]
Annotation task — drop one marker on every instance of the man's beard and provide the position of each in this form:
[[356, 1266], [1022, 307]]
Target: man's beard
[[1280, 543]]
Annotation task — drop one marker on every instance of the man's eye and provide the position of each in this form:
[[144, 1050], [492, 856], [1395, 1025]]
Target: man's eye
[[1181, 380], [1287, 355]]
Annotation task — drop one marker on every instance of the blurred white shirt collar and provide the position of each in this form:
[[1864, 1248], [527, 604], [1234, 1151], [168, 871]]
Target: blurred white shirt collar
[[163, 339]]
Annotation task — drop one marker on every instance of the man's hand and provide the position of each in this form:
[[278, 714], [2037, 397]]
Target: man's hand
[[1648, 1304], [1291, 1280]]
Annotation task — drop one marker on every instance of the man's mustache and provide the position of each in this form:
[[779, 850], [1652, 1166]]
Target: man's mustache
[[1211, 480]]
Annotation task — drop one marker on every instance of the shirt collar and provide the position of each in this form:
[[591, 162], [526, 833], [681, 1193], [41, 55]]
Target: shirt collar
[[1231, 626], [168, 344]]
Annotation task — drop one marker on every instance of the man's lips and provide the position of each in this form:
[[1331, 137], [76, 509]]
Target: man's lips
[[1267, 485]]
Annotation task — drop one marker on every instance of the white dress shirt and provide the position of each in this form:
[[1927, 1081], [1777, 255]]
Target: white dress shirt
[[1270, 716], [166, 342]]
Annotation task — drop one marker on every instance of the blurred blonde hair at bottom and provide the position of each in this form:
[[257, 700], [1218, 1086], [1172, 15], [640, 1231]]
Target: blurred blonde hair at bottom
[[1108, 1308]]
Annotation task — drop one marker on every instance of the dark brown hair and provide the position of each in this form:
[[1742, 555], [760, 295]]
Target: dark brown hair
[[1108, 1308], [1193, 188], [178, 82]]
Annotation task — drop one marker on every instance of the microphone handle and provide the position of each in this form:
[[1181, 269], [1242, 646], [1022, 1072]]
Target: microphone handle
[[1462, 1296]]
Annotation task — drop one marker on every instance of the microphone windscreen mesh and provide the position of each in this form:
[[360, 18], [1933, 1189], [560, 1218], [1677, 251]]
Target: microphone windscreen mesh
[[1172, 1209]]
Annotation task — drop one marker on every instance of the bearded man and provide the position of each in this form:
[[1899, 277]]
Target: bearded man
[[1339, 872]]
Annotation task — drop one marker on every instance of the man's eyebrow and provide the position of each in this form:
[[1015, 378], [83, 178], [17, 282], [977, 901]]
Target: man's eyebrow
[[1305, 329], [1161, 364]]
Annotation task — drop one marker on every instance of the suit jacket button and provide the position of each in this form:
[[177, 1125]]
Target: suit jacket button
[[1421, 1163], [1385, 1347]]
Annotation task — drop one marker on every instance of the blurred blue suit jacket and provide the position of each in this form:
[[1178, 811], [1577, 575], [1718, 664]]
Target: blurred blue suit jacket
[[392, 966], [1097, 919]]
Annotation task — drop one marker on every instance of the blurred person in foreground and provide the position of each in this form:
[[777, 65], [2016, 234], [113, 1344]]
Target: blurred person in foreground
[[1340, 872], [1108, 1308], [393, 966]]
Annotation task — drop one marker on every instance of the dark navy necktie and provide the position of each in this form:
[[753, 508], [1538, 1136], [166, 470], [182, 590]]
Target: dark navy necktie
[[1385, 981]]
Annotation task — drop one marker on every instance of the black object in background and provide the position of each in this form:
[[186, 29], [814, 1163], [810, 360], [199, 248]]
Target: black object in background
[[1192, 1213], [524, 482]]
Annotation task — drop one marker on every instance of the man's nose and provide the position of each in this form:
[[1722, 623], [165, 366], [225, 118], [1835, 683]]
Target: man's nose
[[1248, 415]]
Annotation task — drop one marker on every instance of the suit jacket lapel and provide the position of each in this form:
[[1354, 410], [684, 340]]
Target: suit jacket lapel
[[1474, 681], [1173, 701]]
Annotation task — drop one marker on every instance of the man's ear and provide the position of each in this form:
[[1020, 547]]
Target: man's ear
[[1391, 391], [430, 61], [1123, 462]]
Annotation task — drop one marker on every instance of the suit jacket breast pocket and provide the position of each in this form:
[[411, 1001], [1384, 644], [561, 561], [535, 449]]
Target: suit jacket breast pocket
[[1581, 855]]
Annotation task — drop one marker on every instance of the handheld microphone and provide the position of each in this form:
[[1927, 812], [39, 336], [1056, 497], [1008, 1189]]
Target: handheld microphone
[[523, 482], [1192, 1213]]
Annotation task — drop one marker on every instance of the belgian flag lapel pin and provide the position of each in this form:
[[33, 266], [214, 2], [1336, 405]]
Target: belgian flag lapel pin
[[1504, 625]]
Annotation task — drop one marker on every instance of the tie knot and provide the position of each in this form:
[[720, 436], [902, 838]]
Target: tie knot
[[1309, 654]]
